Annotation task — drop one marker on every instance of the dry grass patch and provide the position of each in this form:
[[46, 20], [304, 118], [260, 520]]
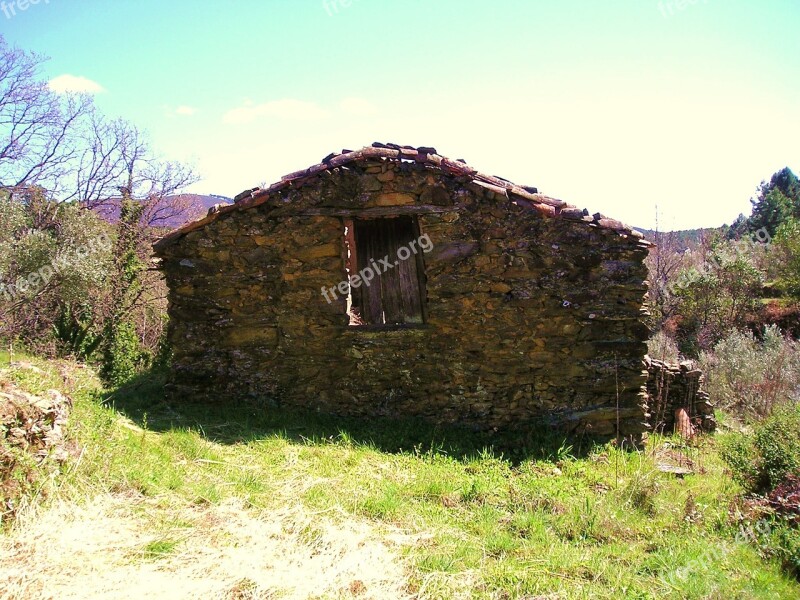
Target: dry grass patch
[[122, 547]]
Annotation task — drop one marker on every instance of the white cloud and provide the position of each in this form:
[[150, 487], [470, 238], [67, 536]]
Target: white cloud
[[66, 84], [358, 106], [287, 109], [185, 111]]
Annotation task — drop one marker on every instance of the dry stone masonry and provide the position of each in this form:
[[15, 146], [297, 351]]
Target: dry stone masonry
[[671, 387], [524, 309]]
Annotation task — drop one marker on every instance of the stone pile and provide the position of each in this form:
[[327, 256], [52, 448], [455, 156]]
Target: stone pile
[[31, 435], [34, 424], [671, 387]]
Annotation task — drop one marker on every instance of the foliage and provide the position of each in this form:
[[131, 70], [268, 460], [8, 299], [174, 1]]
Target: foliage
[[123, 356], [787, 249], [662, 346], [761, 461], [717, 296], [777, 200], [54, 260], [787, 542], [61, 288], [750, 377], [75, 332], [764, 458], [771, 211], [777, 441]]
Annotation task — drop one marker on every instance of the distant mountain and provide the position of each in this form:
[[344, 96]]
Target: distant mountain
[[686, 239], [179, 209], [204, 201]]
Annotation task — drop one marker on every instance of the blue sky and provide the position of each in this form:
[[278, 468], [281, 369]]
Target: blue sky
[[624, 107]]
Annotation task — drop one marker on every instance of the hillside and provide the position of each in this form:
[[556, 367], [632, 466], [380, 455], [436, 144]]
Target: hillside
[[686, 239], [192, 207], [198, 501]]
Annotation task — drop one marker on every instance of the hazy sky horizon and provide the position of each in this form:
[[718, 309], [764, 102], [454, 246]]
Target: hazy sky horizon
[[626, 107]]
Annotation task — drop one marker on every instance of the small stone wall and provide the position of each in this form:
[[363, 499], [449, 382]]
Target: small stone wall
[[674, 386]]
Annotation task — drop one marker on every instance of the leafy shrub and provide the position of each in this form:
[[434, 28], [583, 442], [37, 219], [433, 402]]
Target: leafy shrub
[[751, 377], [788, 549], [739, 451], [75, 333], [787, 263], [761, 461], [123, 357], [770, 454], [716, 296], [662, 346], [64, 255], [778, 443]]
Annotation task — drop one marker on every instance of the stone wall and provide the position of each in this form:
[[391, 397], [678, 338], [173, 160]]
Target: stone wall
[[674, 386], [529, 317]]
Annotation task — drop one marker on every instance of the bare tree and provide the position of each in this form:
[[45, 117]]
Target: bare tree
[[664, 262], [154, 183], [58, 153], [37, 126], [101, 161], [64, 145]]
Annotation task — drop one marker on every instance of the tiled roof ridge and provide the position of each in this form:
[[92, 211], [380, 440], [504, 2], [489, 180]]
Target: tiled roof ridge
[[523, 195]]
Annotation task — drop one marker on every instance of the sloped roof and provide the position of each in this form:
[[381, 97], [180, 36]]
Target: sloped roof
[[523, 195]]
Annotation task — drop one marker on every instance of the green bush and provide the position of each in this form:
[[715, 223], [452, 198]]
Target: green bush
[[54, 258], [763, 459], [75, 333], [661, 346], [750, 377], [778, 443], [123, 357], [788, 549], [739, 451], [716, 296]]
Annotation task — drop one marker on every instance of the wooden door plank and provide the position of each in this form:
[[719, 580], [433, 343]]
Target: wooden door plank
[[371, 313], [407, 276], [390, 279]]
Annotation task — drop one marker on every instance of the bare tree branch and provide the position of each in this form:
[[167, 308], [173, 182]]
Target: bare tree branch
[[37, 126]]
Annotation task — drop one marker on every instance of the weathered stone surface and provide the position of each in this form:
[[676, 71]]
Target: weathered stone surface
[[528, 316], [671, 387], [33, 423], [248, 336], [393, 199]]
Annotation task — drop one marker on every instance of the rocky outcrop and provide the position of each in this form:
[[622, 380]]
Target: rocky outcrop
[[532, 309]]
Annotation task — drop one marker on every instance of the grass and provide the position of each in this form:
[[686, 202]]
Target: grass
[[472, 516]]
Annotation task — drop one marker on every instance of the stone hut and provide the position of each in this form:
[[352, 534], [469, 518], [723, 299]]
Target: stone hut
[[392, 281]]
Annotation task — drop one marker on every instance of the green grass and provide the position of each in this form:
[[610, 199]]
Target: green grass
[[491, 518]]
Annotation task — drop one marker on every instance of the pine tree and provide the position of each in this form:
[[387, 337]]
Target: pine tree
[[777, 200]]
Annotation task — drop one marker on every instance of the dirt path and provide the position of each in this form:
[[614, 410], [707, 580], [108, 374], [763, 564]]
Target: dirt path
[[122, 547]]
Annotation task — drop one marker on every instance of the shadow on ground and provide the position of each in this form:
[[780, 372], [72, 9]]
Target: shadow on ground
[[143, 401]]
